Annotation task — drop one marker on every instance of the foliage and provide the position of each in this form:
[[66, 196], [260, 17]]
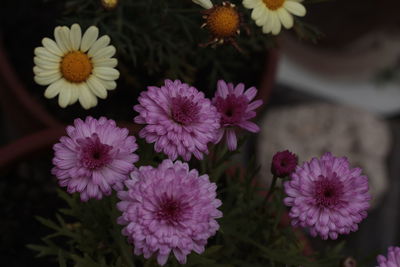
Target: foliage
[[252, 233]]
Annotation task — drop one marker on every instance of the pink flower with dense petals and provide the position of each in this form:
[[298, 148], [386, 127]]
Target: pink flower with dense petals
[[283, 163], [236, 108], [168, 209], [179, 120], [392, 260], [327, 196], [94, 158]]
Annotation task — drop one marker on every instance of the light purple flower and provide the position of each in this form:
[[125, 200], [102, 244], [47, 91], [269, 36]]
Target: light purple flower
[[168, 209], [236, 108], [94, 158], [392, 260], [327, 196], [179, 120]]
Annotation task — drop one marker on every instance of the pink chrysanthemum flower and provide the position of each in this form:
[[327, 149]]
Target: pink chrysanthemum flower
[[95, 157], [392, 260], [327, 196], [180, 120], [168, 209], [283, 163], [236, 108]]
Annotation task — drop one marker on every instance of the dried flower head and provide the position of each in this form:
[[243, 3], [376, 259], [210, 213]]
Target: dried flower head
[[109, 4], [223, 23]]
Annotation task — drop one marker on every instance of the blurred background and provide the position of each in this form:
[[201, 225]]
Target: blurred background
[[340, 93]]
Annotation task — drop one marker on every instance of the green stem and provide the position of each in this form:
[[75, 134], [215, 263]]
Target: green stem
[[271, 188]]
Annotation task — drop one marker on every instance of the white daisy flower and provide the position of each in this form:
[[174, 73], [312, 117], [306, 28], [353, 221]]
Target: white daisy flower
[[272, 14], [75, 66]]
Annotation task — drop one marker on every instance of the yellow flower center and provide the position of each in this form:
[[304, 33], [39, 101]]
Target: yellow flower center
[[76, 67], [273, 4], [223, 21]]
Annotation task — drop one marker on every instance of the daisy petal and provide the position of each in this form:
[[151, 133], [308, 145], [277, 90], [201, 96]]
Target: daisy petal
[[105, 62], [109, 85], [65, 32], [249, 4], [86, 98], [54, 89], [75, 36], [74, 93], [295, 8], [106, 73], [285, 18], [258, 12], [45, 73], [101, 43], [46, 80], [105, 52], [89, 37], [46, 54], [58, 35], [45, 64], [97, 87], [65, 96], [262, 20], [51, 46], [239, 89], [275, 23]]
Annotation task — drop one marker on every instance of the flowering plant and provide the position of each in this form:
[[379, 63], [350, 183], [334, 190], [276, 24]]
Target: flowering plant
[[172, 193]]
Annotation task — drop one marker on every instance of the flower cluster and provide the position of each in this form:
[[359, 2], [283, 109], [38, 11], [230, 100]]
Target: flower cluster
[[181, 121], [224, 21]]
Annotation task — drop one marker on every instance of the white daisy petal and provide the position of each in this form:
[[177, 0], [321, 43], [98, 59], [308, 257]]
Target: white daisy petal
[[75, 35], [275, 23], [99, 44], [105, 62], [106, 73], [45, 80], [295, 8], [54, 89], [89, 37], [285, 18], [51, 46], [44, 73], [264, 18], [109, 85], [207, 4], [51, 74], [58, 35], [106, 52], [74, 93], [97, 87], [46, 54], [251, 3], [65, 37], [257, 12], [86, 98], [45, 64], [65, 95]]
